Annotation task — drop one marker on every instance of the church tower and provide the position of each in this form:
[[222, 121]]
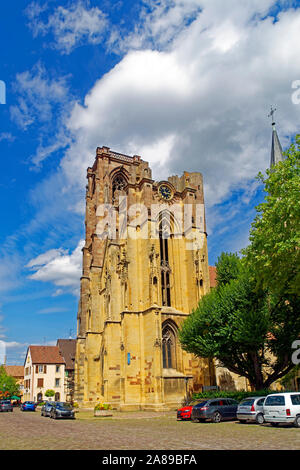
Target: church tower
[[145, 267]]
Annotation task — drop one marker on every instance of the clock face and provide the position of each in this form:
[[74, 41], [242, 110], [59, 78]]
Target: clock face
[[165, 192]]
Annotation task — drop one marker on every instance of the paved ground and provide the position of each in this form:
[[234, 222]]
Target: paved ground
[[143, 430]]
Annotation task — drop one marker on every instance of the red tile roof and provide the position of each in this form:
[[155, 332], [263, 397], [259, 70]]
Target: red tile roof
[[212, 276], [46, 355], [15, 371]]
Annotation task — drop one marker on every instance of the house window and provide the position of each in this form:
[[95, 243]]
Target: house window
[[40, 383], [57, 382], [41, 369], [57, 368]]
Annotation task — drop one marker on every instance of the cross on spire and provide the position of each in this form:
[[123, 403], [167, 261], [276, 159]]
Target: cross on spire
[[272, 112]]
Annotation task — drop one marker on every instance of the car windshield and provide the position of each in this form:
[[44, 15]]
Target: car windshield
[[29, 402], [6, 402], [65, 406]]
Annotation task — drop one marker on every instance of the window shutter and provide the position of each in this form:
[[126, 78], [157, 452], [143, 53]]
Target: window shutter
[[36, 369], [45, 369]]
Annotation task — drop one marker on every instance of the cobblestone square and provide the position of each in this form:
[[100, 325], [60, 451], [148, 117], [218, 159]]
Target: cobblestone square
[[138, 431]]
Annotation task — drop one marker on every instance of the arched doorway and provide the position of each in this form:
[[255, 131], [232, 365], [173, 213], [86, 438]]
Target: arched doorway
[[57, 396], [39, 397]]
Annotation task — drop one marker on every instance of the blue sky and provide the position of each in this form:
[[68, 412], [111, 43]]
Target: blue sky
[[186, 84]]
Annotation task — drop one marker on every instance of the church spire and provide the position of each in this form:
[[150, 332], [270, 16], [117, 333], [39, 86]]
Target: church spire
[[276, 150]]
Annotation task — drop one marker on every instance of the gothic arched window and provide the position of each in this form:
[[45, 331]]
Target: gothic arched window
[[169, 347], [164, 233], [118, 185]]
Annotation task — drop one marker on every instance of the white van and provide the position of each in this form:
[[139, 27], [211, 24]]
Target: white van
[[282, 408]]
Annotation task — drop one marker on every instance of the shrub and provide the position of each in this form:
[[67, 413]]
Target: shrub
[[236, 395], [103, 406], [75, 404]]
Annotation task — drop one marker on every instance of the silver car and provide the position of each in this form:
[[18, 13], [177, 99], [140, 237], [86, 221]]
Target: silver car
[[251, 409], [47, 407]]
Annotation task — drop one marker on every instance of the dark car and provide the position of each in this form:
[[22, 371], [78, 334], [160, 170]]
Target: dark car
[[28, 406], [47, 407], [215, 409], [5, 405], [62, 410]]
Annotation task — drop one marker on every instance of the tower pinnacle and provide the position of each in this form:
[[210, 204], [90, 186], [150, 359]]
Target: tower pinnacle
[[276, 150]]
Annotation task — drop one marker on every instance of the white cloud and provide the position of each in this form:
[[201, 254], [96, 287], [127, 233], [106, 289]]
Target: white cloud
[[59, 267], [46, 311], [37, 93], [13, 344], [71, 26], [199, 102], [43, 100], [45, 258], [6, 136], [202, 104], [9, 267]]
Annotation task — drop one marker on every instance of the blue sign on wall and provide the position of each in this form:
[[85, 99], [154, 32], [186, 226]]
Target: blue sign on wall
[[2, 92], [128, 358]]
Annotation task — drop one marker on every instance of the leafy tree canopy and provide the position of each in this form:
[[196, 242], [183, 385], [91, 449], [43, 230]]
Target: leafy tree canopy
[[8, 383], [251, 319], [274, 251]]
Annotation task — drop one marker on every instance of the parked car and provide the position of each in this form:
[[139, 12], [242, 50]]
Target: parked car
[[46, 408], [28, 406], [282, 408], [5, 405], [62, 410], [186, 411], [215, 409], [251, 409]]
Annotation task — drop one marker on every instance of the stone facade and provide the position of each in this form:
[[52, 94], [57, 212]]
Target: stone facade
[[138, 285]]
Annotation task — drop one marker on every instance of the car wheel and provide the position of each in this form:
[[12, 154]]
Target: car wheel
[[217, 418], [297, 422], [260, 418], [274, 425]]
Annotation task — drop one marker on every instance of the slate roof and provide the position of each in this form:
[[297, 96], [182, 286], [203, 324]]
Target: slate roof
[[276, 150], [67, 349]]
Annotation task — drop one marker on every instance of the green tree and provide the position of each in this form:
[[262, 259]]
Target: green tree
[[50, 393], [242, 326], [8, 383], [274, 253], [229, 267]]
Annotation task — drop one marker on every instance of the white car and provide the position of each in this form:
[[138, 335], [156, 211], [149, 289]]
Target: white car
[[282, 408]]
